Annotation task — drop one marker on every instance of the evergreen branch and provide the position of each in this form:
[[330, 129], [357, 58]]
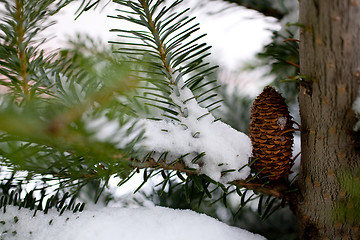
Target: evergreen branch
[[21, 54], [264, 6], [49, 137], [279, 190], [169, 48], [24, 66], [168, 35], [87, 5]]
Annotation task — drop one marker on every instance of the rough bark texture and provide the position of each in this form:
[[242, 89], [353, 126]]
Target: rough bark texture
[[330, 56]]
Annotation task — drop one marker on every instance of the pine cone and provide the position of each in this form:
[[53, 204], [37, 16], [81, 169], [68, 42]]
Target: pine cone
[[271, 134]]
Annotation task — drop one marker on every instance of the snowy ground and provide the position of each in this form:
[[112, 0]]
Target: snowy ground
[[155, 223]]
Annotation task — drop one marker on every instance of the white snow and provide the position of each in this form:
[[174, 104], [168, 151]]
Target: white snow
[[356, 108], [226, 24], [224, 151], [225, 148], [112, 131], [282, 122], [156, 223]]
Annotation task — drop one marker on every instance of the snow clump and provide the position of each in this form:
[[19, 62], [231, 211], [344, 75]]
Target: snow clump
[[224, 149]]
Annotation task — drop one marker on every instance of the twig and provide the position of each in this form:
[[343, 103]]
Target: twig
[[278, 189]]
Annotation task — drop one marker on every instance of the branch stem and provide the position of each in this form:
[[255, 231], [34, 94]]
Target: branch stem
[[21, 48], [278, 189], [154, 32]]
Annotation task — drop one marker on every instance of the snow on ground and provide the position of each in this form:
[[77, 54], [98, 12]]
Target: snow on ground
[[156, 223]]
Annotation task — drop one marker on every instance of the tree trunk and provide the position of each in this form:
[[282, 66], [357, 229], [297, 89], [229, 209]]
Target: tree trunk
[[330, 58]]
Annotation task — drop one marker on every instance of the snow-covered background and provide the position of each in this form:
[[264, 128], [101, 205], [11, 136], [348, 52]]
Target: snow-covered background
[[235, 33]]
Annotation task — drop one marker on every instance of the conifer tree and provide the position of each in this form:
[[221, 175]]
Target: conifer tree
[[156, 95], [58, 100]]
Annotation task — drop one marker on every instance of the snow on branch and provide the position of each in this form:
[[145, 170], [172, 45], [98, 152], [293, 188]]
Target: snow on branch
[[177, 94], [204, 144]]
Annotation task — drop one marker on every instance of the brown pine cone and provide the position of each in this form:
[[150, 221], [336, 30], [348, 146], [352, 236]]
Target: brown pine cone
[[271, 134]]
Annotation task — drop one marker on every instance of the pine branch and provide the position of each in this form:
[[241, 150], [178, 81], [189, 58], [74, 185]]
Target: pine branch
[[49, 136], [264, 7], [21, 54], [279, 189], [167, 44], [57, 137], [22, 61], [171, 62]]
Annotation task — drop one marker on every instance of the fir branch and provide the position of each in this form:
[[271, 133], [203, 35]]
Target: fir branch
[[265, 7], [166, 42], [48, 137], [174, 59], [21, 54], [279, 190], [23, 64]]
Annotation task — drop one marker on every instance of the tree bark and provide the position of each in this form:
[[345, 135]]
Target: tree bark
[[330, 58]]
